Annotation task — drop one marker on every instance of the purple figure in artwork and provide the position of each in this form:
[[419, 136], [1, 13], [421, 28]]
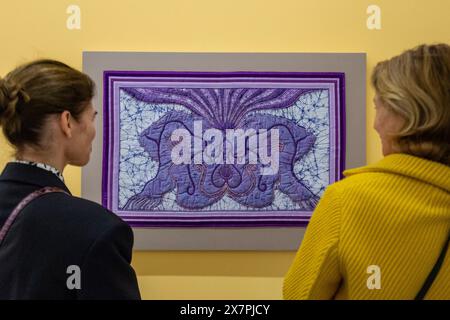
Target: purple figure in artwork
[[201, 185]]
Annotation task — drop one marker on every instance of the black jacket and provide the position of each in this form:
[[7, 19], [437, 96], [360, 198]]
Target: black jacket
[[56, 231]]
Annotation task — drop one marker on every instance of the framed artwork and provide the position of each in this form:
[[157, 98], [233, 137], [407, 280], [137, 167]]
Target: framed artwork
[[220, 149]]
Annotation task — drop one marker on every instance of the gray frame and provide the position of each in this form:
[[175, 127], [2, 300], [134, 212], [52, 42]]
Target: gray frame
[[267, 238]]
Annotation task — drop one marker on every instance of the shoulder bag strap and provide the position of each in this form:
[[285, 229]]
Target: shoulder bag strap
[[22, 204], [434, 272]]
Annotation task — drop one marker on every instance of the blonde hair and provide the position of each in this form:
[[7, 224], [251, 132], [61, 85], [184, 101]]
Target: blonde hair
[[416, 86]]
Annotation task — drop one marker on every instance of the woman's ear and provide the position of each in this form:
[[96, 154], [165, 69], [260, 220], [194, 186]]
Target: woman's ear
[[65, 123]]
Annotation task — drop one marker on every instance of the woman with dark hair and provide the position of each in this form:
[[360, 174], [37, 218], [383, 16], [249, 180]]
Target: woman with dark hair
[[383, 231], [54, 245]]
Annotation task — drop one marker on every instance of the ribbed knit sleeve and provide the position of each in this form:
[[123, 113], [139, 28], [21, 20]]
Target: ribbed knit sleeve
[[315, 272]]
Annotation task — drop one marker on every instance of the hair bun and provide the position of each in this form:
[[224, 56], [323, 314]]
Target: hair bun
[[10, 93], [3, 97]]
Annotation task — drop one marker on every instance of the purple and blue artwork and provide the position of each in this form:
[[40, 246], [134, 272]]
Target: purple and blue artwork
[[220, 149]]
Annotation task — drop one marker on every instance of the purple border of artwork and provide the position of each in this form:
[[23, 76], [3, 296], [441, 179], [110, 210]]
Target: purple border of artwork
[[342, 124], [105, 138], [265, 217], [138, 221]]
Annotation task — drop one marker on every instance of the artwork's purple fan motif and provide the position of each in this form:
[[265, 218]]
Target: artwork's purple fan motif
[[200, 185]]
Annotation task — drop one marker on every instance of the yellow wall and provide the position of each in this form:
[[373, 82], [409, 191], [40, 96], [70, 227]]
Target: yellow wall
[[35, 29]]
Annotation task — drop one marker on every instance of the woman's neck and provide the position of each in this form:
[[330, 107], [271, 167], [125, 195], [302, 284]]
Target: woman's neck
[[54, 160]]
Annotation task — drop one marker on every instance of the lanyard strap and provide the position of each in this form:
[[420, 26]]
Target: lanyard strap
[[22, 204]]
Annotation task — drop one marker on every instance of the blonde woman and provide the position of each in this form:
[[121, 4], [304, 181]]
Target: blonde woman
[[380, 232], [54, 245]]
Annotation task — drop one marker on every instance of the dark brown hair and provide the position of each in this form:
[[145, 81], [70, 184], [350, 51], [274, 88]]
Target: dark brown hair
[[416, 86], [32, 92]]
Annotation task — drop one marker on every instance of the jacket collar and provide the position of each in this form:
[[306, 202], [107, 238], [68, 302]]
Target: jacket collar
[[31, 175], [427, 171]]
